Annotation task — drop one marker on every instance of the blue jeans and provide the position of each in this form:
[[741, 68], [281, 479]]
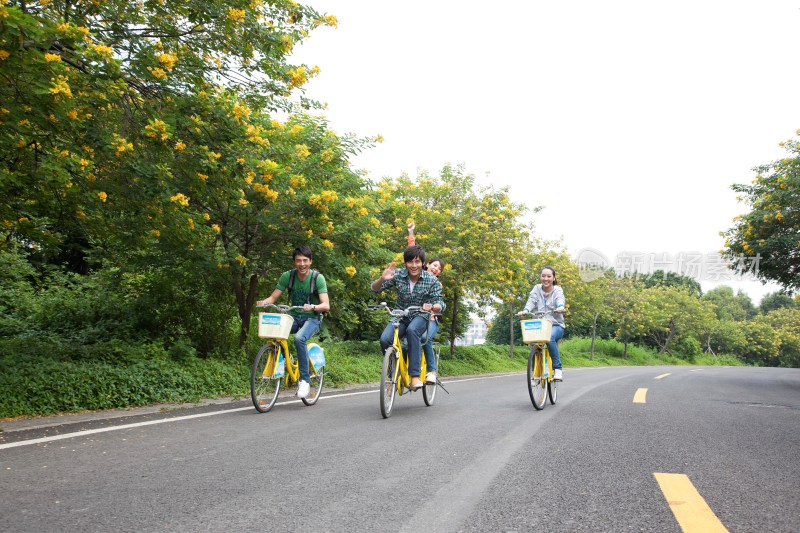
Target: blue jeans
[[552, 346], [430, 358], [304, 328], [413, 329]]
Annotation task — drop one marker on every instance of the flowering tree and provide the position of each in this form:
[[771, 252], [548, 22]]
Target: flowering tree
[[771, 230], [476, 231], [137, 134]]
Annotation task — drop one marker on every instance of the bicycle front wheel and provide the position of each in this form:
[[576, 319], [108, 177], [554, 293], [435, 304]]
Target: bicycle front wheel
[[264, 387], [389, 381], [315, 384], [537, 384], [429, 390]]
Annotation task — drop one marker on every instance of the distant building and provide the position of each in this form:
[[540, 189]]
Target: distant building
[[475, 334]]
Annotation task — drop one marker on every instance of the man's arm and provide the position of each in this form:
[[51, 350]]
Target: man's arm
[[387, 274], [322, 307], [272, 298]]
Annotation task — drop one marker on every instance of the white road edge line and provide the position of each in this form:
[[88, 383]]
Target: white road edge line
[[83, 433]]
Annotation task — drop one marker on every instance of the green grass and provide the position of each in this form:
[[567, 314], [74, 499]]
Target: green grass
[[42, 384]]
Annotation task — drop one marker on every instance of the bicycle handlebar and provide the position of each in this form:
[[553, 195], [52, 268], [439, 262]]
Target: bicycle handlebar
[[398, 313], [280, 307]]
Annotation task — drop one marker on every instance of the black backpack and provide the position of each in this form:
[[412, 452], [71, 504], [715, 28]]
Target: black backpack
[[313, 287]]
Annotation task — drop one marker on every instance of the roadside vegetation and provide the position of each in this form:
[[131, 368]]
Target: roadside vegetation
[[61, 383]]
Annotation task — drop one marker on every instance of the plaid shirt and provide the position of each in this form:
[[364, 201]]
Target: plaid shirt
[[427, 290]]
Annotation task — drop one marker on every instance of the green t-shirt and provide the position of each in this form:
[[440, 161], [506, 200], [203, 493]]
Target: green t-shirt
[[301, 289]]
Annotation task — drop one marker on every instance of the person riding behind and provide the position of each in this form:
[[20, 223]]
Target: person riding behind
[[414, 286], [435, 266]]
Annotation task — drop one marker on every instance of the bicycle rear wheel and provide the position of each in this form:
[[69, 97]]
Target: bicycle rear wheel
[[537, 385], [429, 391], [264, 387], [315, 386], [552, 391], [389, 381]]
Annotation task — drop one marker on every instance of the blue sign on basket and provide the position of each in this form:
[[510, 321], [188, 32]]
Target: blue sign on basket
[[533, 325], [271, 320]]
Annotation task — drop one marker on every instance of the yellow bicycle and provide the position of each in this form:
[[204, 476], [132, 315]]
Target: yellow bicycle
[[274, 364], [536, 332], [394, 375]]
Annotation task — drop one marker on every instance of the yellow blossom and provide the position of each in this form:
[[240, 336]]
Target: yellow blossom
[[191, 223], [297, 77], [362, 212], [206, 216], [180, 198], [236, 15], [60, 86], [72, 114], [103, 50], [241, 111], [155, 232], [103, 196], [379, 139], [242, 202], [242, 260], [297, 181], [326, 243], [4, 54], [331, 21], [168, 60], [51, 57], [203, 177], [215, 227], [351, 271], [302, 151], [296, 129], [80, 214], [158, 73], [180, 146], [277, 125]]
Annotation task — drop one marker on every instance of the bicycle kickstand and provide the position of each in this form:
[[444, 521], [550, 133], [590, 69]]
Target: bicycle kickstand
[[439, 382]]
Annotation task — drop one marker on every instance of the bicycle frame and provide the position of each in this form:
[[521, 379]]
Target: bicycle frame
[[403, 379], [292, 366]]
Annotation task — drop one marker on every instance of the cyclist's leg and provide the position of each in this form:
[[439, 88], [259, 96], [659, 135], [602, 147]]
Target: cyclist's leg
[[430, 358], [552, 346], [387, 337], [414, 332], [306, 327]]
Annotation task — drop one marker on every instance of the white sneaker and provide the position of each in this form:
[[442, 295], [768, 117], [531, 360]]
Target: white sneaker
[[302, 389], [557, 375], [430, 378]]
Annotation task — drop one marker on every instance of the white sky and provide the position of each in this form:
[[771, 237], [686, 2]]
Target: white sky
[[627, 119]]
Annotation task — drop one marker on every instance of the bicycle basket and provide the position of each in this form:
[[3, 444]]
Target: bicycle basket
[[537, 330], [274, 326]]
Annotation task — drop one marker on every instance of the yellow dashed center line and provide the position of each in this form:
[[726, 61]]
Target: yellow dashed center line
[[662, 376], [640, 396], [690, 509]]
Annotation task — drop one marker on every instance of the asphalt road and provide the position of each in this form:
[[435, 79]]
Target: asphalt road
[[480, 459]]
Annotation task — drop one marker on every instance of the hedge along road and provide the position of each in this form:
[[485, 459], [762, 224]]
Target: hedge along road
[[480, 459]]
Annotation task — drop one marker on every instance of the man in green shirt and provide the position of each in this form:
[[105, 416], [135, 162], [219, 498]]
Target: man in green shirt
[[306, 322]]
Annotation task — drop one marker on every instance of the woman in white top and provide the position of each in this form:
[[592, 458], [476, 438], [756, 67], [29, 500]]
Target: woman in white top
[[547, 297]]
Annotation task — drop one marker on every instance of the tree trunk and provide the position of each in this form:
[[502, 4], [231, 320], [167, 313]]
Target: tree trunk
[[670, 335], [594, 335], [511, 330], [244, 303], [708, 344], [453, 326]]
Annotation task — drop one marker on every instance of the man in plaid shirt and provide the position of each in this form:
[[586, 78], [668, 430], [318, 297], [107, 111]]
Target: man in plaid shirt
[[415, 286]]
